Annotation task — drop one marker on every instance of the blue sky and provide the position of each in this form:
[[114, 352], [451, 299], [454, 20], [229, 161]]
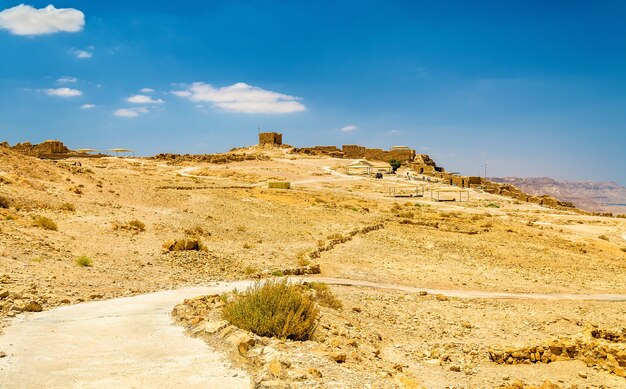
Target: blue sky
[[532, 88]]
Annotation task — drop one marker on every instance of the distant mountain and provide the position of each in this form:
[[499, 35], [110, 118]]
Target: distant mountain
[[593, 196]]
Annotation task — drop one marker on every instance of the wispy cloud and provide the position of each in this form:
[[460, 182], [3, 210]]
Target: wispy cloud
[[146, 90], [87, 106], [67, 80], [130, 112], [63, 92], [82, 54], [143, 99], [349, 128], [27, 20], [242, 98]]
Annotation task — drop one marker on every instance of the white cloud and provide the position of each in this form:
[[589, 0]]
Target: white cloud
[[27, 20], [146, 90], [81, 54], [143, 99], [63, 92], [241, 97], [130, 112], [87, 106], [349, 128], [67, 80]]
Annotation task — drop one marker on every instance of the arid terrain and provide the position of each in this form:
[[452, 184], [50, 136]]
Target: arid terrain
[[71, 234], [593, 196]]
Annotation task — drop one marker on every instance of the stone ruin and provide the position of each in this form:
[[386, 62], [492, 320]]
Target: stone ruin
[[46, 148], [270, 139]]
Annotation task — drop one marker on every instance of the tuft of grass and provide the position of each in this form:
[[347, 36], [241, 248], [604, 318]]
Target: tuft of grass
[[274, 309], [136, 225], [67, 207], [84, 261], [278, 273], [334, 237], [492, 205], [241, 228], [249, 270], [323, 296], [45, 223], [603, 237], [303, 259], [248, 246], [5, 202]]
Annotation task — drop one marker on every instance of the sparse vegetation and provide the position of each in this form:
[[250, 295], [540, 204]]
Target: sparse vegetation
[[335, 236], [274, 308], [249, 270], [84, 261], [492, 205], [67, 207], [323, 296], [136, 225], [4, 202], [45, 223], [603, 237]]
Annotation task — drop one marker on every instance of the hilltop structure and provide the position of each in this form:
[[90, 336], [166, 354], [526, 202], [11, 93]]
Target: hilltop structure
[[270, 139]]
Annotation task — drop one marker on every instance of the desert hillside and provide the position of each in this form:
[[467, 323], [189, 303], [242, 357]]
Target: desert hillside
[[592, 196], [86, 229]]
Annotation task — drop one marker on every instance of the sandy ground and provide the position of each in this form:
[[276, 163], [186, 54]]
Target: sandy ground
[[488, 244]]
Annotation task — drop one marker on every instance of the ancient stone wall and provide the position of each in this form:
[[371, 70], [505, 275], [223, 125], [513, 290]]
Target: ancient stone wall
[[47, 148], [331, 151], [360, 152]]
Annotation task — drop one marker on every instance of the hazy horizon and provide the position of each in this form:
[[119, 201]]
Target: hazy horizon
[[533, 89]]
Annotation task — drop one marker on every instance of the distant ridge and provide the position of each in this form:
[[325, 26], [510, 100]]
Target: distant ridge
[[592, 196]]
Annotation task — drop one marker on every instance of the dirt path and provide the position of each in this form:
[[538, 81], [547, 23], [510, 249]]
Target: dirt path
[[131, 342]]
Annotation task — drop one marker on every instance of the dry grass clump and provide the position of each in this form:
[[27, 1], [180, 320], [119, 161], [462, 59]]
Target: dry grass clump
[[4, 202], [67, 207], [335, 236], [603, 237], [323, 296], [274, 308], [45, 223], [132, 225], [197, 231], [84, 261]]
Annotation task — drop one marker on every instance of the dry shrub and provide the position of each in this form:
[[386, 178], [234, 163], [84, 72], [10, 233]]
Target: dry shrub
[[274, 308], [84, 261], [406, 215], [67, 207], [603, 237], [334, 237], [45, 223], [136, 225], [323, 296], [5, 202], [197, 231], [132, 225]]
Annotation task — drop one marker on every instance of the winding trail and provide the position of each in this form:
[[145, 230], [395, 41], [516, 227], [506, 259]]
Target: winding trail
[[132, 342]]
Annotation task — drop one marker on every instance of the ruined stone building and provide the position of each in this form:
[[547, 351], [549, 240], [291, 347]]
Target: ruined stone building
[[270, 139]]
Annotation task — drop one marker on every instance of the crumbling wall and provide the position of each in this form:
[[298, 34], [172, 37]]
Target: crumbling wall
[[360, 152], [331, 151], [47, 148], [270, 139]]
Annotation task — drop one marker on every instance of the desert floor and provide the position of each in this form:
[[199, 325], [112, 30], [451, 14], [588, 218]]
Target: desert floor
[[489, 243]]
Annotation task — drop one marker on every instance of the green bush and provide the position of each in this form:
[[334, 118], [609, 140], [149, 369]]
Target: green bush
[[274, 308], [45, 223], [84, 261]]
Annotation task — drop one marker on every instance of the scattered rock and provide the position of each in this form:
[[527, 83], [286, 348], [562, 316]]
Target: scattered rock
[[33, 306], [455, 368], [338, 357]]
